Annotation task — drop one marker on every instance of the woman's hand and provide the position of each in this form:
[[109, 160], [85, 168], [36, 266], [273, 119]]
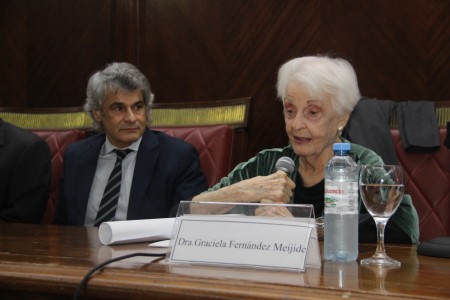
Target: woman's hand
[[272, 211], [276, 187]]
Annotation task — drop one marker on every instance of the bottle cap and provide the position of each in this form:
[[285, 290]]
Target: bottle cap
[[341, 147]]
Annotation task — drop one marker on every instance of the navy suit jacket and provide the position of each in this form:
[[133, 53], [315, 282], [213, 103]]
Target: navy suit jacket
[[167, 171]]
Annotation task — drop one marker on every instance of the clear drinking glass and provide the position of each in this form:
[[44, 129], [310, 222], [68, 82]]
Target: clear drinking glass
[[381, 189]]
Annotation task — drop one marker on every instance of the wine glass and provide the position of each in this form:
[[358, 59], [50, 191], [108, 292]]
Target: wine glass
[[381, 189]]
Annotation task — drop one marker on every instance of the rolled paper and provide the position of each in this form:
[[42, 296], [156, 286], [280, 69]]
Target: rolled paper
[[135, 231]]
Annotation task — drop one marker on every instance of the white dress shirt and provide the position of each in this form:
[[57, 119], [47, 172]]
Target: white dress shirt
[[105, 164]]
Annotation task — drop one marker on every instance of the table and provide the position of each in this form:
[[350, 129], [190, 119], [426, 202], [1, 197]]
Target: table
[[48, 262]]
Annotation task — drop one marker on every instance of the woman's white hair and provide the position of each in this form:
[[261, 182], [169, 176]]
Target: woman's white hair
[[322, 76]]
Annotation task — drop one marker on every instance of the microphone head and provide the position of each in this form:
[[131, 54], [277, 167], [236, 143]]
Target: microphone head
[[285, 164]]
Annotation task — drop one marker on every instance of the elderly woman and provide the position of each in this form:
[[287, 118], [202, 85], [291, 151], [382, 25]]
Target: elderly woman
[[318, 94]]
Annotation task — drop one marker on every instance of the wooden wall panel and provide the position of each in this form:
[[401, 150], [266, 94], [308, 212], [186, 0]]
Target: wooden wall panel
[[195, 50], [50, 48], [13, 52], [125, 21], [216, 49], [182, 49]]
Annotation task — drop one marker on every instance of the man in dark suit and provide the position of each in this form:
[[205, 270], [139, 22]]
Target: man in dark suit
[[156, 172], [25, 174]]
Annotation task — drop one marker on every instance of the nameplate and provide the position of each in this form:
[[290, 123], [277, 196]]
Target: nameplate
[[245, 241]]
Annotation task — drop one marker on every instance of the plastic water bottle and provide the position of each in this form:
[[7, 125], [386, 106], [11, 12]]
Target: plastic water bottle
[[341, 206]]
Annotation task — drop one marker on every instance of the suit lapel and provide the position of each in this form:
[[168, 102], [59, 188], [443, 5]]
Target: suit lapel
[[143, 173], [87, 167]]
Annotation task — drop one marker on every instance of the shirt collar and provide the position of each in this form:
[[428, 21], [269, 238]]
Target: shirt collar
[[108, 147]]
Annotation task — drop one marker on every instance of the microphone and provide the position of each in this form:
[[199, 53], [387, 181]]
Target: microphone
[[285, 164]]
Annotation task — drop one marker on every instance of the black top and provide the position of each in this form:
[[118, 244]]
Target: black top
[[310, 195]]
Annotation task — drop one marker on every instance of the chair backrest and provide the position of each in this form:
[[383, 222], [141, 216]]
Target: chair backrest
[[58, 140], [213, 144], [233, 112], [427, 180], [427, 175], [59, 127], [54, 118], [222, 151]]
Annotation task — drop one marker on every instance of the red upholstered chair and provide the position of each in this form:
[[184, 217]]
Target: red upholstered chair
[[214, 146], [428, 183], [58, 141], [428, 178], [215, 128], [58, 127]]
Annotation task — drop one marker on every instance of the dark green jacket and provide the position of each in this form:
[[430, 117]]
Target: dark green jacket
[[404, 219]]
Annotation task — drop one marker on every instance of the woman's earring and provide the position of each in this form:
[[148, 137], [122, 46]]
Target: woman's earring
[[340, 130]]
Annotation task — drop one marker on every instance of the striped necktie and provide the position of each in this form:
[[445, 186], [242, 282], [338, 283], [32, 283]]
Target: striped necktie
[[108, 205]]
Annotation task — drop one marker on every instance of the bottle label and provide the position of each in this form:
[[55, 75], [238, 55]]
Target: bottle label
[[341, 197]]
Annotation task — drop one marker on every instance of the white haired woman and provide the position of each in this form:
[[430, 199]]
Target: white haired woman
[[318, 95]]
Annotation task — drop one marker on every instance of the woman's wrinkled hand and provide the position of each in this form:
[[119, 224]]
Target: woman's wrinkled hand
[[272, 211], [276, 187]]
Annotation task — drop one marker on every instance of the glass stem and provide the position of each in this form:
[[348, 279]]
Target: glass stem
[[381, 224]]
